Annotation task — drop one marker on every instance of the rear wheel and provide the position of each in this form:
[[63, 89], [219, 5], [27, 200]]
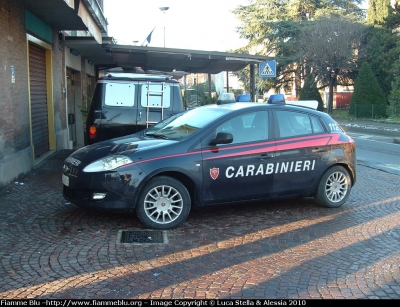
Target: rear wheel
[[164, 203], [334, 187]]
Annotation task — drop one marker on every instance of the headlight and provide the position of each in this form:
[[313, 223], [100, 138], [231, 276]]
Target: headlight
[[107, 164]]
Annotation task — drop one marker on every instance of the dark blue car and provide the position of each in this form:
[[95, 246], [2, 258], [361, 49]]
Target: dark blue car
[[227, 153]]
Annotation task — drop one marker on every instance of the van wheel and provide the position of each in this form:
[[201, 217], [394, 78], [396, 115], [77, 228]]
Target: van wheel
[[334, 187], [164, 203]]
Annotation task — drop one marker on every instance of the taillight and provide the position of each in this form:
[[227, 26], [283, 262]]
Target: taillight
[[92, 132]]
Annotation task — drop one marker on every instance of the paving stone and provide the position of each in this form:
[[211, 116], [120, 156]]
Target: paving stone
[[278, 249]]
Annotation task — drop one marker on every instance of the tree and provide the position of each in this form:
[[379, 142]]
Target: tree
[[381, 55], [394, 97], [201, 94], [309, 91], [273, 27], [329, 48], [368, 100], [393, 24], [382, 39], [377, 11]]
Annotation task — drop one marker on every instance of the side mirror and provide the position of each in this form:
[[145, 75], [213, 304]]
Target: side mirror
[[222, 138]]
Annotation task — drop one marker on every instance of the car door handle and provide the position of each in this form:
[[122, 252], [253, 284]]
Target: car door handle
[[266, 156], [319, 149]]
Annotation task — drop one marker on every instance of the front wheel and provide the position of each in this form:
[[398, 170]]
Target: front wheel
[[164, 203], [334, 187]]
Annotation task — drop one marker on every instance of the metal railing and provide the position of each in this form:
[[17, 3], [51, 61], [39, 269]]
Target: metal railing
[[367, 111]]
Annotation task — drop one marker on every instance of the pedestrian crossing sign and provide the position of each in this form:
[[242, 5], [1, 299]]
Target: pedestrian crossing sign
[[267, 69]]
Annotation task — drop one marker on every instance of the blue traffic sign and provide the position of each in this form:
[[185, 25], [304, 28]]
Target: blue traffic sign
[[267, 69]]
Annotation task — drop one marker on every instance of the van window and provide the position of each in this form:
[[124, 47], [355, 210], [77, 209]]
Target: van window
[[159, 95], [119, 94]]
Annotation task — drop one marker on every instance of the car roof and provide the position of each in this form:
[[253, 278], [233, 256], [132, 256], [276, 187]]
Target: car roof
[[253, 105]]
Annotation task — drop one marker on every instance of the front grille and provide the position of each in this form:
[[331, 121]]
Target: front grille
[[68, 192], [68, 170]]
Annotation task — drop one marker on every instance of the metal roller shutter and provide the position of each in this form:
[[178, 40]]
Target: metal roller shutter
[[37, 73]]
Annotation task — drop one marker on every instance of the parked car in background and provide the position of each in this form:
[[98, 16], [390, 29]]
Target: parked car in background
[[215, 154], [125, 103]]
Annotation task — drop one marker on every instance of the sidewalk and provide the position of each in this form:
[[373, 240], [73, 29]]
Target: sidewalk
[[374, 127], [369, 125]]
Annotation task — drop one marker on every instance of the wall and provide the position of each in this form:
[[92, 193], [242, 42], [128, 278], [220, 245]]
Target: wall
[[15, 147], [16, 154]]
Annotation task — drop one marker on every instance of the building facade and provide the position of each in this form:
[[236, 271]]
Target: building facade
[[43, 85]]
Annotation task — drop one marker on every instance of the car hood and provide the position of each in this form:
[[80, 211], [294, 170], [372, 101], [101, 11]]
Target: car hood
[[128, 146]]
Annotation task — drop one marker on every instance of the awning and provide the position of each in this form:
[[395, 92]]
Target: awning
[[65, 15], [157, 58]]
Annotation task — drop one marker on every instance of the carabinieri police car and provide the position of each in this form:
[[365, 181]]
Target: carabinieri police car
[[215, 154]]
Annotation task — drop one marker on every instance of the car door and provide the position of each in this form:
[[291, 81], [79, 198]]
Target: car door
[[239, 170], [302, 151]]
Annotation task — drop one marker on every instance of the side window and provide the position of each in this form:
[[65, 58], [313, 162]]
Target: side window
[[293, 123], [235, 127], [316, 124], [248, 127], [119, 94], [155, 95], [259, 126]]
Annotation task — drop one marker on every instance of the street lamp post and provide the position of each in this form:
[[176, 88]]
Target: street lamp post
[[164, 9]]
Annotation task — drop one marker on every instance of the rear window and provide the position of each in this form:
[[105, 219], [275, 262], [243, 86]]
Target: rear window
[[156, 95], [120, 94]]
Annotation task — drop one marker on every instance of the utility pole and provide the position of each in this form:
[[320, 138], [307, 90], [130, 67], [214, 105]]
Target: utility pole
[[164, 9]]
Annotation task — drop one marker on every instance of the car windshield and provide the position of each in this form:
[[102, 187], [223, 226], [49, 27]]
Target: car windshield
[[163, 123], [186, 124]]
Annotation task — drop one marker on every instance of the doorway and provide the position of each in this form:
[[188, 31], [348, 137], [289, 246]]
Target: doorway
[[73, 103]]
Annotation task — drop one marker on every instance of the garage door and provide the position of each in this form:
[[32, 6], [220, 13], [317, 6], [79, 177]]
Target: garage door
[[37, 73]]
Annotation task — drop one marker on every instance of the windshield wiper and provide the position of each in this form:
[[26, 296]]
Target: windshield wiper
[[156, 136]]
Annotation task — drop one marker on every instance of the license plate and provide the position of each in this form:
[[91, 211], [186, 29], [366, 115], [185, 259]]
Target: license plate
[[65, 180]]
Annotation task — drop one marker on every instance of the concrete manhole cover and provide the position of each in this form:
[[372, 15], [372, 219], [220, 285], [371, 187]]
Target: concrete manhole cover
[[142, 237]]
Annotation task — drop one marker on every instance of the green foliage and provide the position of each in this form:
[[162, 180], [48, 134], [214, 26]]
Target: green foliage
[[262, 85], [310, 92], [273, 27], [85, 107], [202, 95], [381, 54], [377, 11], [393, 23], [282, 30], [205, 98], [368, 100], [394, 97]]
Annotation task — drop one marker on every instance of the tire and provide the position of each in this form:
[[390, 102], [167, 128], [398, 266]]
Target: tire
[[164, 203], [334, 187]]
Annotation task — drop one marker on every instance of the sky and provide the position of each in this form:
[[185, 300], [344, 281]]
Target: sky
[[189, 24]]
